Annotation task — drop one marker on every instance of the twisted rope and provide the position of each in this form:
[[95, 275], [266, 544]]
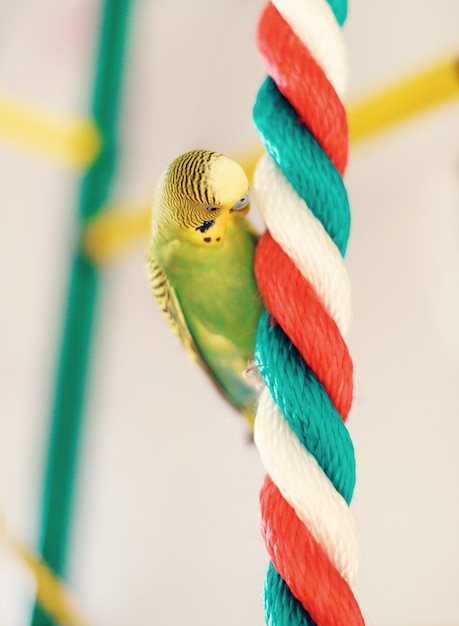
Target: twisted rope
[[300, 351]]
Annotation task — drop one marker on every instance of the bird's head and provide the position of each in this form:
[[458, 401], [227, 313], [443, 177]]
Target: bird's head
[[198, 197]]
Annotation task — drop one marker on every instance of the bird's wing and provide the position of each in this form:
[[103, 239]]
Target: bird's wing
[[169, 304]]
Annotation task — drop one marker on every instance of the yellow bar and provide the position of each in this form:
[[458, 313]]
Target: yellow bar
[[74, 141], [114, 230], [77, 142], [51, 592], [387, 107], [117, 230], [414, 95]]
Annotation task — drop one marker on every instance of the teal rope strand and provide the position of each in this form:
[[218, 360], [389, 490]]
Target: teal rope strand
[[305, 405], [304, 163], [280, 605], [74, 362], [339, 8]]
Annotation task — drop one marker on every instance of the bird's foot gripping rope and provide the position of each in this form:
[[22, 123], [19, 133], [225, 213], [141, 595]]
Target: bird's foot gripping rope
[[300, 351]]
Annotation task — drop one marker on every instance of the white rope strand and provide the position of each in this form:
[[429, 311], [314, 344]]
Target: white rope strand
[[303, 238], [314, 23], [304, 485]]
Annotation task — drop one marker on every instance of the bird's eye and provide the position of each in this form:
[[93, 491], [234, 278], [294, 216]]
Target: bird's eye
[[212, 207], [243, 202]]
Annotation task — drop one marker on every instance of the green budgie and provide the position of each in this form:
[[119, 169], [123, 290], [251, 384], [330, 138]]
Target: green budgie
[[200, 263]]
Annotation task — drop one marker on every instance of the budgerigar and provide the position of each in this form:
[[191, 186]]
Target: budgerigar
[[200, 263]]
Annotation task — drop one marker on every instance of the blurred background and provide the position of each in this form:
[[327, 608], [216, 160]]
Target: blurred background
[[165, 524]]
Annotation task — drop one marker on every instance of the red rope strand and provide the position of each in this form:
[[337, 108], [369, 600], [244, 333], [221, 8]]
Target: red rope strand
[[303, 82], [292, 301]]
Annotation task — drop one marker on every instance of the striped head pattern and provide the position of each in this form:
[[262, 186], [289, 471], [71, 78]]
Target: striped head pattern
[[198, 196]]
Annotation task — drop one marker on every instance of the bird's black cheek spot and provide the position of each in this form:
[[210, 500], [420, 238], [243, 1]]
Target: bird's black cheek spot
[[207, 239], [205, 226]]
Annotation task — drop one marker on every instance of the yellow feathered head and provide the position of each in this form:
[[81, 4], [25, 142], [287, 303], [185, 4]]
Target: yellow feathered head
[[198, 196]]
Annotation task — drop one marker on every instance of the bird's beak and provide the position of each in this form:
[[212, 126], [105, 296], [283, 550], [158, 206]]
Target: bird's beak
[[243, 210]]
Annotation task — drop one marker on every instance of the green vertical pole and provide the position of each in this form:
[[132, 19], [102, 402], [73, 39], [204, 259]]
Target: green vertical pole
[[72, 375]]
